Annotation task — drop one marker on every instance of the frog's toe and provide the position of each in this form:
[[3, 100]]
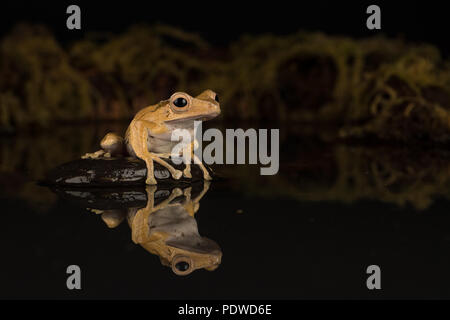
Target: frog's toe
[[151, 181], [207, 176], [87, 156], [177, 192], [177, 174], [94, 155], [187, 173]]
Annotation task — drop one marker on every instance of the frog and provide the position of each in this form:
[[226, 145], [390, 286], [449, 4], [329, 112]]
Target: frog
[[166, 227], [149, 133], [169, 229]]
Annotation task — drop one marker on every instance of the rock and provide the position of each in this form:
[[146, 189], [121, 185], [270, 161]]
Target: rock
[[113, 172]]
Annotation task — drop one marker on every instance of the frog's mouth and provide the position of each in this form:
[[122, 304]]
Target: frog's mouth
[[201, 117]]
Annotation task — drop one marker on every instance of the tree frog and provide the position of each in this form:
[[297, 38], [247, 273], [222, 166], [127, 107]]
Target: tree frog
[[166, 227], [148, 136], [170, 231]]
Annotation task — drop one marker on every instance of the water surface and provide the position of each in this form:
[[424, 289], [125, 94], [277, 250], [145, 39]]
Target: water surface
[[308, 232]]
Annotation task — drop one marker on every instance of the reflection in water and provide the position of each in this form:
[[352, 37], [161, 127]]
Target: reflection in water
[[161, 221], [350, 173], [312, 168]]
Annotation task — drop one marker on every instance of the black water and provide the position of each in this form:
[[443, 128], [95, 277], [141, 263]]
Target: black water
[[308, 232]]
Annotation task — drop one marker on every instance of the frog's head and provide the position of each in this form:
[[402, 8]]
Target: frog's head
[[182, 107], [182, 256], [184, 261]]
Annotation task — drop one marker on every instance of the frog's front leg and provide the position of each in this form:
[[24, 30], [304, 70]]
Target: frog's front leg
[[191, 150], [188, 151], [138, 140], [192, 205], [206, 174], [139, 223]]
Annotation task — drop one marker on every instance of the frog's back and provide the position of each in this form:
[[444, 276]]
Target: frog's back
[[147, 112]]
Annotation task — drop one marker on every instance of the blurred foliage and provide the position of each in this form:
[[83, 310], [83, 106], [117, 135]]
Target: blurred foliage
[[369, 87], [37, 82]]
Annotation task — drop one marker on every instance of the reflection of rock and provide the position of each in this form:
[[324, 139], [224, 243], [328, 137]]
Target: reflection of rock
[[161, 220], [104, 198], [113, 172]]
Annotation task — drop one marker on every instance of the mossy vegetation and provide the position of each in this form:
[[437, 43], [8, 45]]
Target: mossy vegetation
[[368, 87]]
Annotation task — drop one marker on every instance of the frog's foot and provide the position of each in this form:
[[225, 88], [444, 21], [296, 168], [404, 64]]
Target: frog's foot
[[206, 185], [176, 174], [96, 154], [187, 171], [187, 193], [206, 174], [187, 157], [150, 176], [150, 180], [96, 211]]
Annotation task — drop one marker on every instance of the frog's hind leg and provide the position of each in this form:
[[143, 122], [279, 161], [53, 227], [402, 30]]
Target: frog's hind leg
[[113, 144], [205, 171], [188, 153], [138, 139], [176, 174], [159, 157], [187, 161]]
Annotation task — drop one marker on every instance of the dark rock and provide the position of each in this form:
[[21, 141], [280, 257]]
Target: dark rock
[[114, 172]]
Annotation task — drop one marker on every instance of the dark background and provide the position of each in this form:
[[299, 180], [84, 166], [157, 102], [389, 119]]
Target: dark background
[[287, 250], [223, 21]]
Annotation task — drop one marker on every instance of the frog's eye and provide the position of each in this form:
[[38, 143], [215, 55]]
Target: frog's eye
[[182, 265], [217, 98], [179, 101]]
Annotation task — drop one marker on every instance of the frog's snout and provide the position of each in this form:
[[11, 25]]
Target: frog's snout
[[182, 265]]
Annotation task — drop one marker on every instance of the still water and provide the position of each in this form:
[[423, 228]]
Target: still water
[[308, 232]]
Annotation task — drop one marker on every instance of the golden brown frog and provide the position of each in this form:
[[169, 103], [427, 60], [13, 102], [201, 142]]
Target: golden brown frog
[[168, 229], [148, 136]]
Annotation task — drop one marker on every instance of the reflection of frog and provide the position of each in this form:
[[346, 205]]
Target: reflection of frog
[[167, 227], [148, 136]]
